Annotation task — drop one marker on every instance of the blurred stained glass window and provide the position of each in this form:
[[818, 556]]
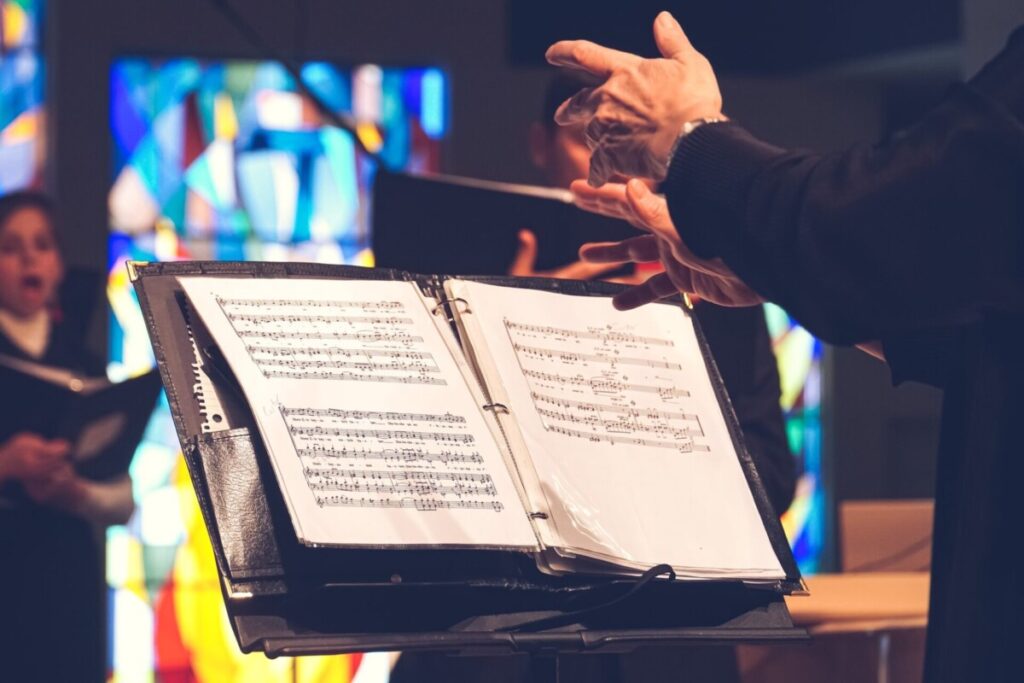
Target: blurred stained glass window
[[224, 160]]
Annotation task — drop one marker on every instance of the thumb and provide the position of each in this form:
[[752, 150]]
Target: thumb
[[669, 36], [526, 255], [650, 209]]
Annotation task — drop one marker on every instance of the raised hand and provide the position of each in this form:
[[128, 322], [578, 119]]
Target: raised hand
[[632, 120], [711, 279]]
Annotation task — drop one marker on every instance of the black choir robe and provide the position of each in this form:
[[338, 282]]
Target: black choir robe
[[53, 596]]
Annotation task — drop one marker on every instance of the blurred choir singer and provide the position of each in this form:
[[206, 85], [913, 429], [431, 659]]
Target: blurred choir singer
[[52, 591]]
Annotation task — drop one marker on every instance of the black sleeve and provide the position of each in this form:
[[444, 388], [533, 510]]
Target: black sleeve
[[927, 356], [923, 231], [741, 346]]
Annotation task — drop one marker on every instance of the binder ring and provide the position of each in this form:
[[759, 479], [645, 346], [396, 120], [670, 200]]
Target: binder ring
[[448, 302], [497, 408]]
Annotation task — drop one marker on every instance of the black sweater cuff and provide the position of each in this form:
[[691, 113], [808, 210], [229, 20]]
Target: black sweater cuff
[[707, 184]]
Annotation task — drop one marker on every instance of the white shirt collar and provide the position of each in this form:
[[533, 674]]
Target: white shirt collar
[[31, 335]]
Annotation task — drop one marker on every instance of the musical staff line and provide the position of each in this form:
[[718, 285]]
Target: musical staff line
[[341, 352], [264, 318], [340, 414], [623, 426], [600, 384], [392, 455], [652, 413], [345, 376], [311, 303], [409, 482], [575, 357], [403, 435], [370, 337], [419, 504], [593, 333], [683, 446]]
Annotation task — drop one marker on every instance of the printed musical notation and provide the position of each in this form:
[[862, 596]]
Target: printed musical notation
[[604, 335], [372, 431], [420, 504], [336, 340], [607, 385], [313, 303], [577, 358], [409, 482], [369, 458]]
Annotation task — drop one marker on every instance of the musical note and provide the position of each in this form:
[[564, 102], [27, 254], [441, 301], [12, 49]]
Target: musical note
[[360, 415], [393, 455], [600, 385], [681, 446], [364, 411], [371, 336], [572, 357], [329, 340], [420, 504], [409, 482], [605, 335], [617, 401], [234, 302], [651, 413], [341, 450], [383, 434]]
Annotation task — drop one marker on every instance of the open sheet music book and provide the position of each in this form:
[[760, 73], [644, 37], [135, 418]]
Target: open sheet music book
[[545, 423]]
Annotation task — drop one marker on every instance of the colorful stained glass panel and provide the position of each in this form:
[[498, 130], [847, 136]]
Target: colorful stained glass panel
[[223, 160]]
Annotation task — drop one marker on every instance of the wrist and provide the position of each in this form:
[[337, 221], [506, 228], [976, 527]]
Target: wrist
[[686, 129]]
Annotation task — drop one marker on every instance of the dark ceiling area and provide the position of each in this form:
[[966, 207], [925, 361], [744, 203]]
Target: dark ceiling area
[[742, 36]]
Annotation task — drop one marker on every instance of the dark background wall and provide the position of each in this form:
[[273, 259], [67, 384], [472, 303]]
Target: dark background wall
[[824, 75]]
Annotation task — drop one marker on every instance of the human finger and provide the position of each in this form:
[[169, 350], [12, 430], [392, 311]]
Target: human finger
[[654, 288], [639, 249], [650, 209], [583, 270], [584, 55], [669, 37], [608, 200], [579, 108], [526, 254], [601, 167]]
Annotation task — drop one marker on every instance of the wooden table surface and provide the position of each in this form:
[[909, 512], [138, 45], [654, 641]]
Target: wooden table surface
[[842, 603]]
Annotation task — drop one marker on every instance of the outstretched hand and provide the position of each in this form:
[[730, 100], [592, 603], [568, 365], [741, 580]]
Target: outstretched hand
[[710, 279], [632, 120]]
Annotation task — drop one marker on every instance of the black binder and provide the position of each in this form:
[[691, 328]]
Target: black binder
[[284, 598]]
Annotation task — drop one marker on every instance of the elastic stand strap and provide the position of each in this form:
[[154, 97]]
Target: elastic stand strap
[[451, 303], [580, 615]]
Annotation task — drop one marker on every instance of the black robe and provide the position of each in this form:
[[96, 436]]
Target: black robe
[[52, 591], [918, 242]]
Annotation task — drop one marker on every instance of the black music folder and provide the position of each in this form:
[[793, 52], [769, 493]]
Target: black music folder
[[104, 421], [343, 524], [451, 224]]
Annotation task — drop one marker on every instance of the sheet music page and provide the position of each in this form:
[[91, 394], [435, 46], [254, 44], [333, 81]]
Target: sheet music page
[[373, 433], [624, 430]]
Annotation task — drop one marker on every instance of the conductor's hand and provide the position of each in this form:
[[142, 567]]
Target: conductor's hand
[[525, 263], [632, 120], [29, 456], [684, 272]]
